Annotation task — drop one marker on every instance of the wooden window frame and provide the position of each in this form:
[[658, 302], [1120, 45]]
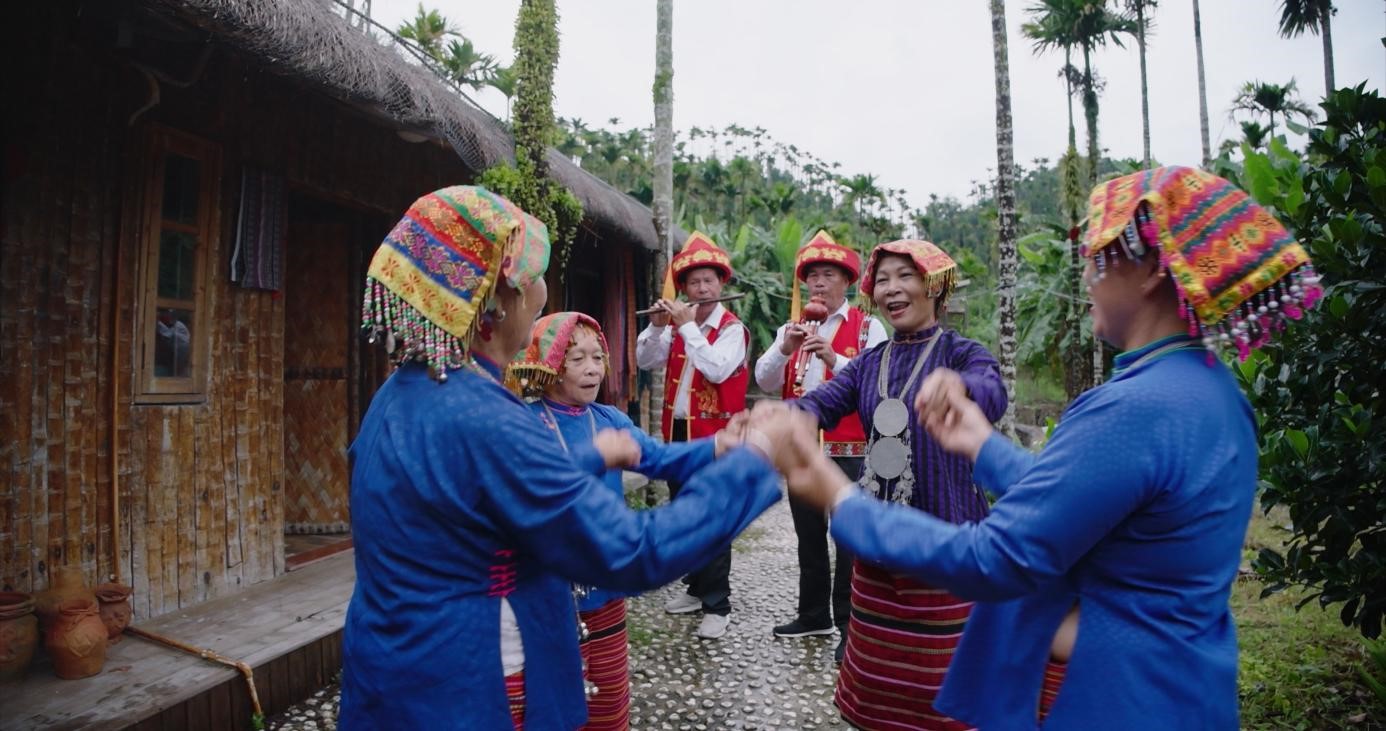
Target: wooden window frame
[[159, 142]]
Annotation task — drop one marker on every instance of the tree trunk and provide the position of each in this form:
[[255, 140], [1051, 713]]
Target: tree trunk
[[1086, 377], [656, 402], [1326, 30], [663, 170], [664, 127], [1202, 89], [1068, 96], [1005, 205], [1145, 89], [1090, 115], [1099, 361]]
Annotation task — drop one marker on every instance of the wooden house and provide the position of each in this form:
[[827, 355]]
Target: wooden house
[[191, 192]]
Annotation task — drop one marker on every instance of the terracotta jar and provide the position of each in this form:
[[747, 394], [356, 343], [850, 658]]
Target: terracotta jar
[[64, 582], [115, 609], [18, 634], [76, 639]]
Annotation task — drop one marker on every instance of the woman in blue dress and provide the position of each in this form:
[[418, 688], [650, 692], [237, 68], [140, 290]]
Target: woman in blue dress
[[562, 370], [470, 529], [1109, 556]]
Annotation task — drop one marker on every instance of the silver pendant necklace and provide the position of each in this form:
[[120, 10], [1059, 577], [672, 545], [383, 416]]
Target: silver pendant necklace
[[888, 449]]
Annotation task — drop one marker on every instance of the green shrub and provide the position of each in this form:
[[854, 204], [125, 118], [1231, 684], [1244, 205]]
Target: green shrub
[[1316, 389]]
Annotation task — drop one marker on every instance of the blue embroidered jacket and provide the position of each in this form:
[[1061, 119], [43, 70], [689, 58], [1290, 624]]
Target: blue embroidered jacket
[[459, 498], [1136, 509], [677, 461]]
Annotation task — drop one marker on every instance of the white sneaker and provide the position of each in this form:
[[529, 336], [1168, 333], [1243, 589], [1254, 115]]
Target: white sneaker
[[683, 604], [713, 626]]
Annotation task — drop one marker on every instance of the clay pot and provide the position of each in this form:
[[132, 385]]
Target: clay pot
[[76, 639], [65, 582], [18, 634], [115, 609]]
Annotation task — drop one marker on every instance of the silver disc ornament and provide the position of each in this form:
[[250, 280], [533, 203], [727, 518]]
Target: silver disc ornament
[[891, 417], [889, 458]]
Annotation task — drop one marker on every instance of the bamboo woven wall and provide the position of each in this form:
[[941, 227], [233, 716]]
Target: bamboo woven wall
[[199, 483]]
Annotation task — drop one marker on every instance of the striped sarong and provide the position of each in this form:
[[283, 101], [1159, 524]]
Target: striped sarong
[[900, 639], [1049, 692], [607, 659], [515, 695]]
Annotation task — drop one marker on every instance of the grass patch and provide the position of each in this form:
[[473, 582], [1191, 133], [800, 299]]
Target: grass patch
[[637, 633], [1298, 668], [743, 542], [1032, 389]]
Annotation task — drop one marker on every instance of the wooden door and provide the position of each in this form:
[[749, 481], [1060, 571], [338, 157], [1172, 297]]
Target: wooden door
[[318, 293]]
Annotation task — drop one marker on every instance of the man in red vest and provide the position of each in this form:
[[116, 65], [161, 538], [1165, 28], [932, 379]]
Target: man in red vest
[[704, 385], [803, 356]]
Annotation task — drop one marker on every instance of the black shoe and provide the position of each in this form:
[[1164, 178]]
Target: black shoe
[[800, 628], [841, 649]]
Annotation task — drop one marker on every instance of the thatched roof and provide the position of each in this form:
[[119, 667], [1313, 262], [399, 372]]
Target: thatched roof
[[308, 40]]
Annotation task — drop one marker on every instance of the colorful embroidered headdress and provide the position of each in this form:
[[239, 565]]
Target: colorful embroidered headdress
[[698, 251], [540, 364], [821, 249], [435, 273], [1239, 273], [939, 270]]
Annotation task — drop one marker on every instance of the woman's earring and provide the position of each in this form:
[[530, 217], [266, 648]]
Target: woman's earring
[[499, 315]]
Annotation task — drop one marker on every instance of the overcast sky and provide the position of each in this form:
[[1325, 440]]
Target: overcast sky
[[904, 88]]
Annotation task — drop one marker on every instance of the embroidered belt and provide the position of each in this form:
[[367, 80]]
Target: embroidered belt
[[844, 449]]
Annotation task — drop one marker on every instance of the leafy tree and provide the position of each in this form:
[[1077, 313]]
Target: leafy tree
[[1319, 412], [1046, 333], [469, 67], [503, 80], [1254, 135], [428, 29], [528, 184], [1271, 99], [1086, 25], [1315, 16]]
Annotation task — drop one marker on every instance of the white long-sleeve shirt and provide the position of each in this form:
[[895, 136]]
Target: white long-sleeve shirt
[[716, 361], [770, 366]]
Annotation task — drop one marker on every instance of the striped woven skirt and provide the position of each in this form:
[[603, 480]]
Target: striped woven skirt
[[607, 659], [515, 695], [900, 639], [1053, 678]]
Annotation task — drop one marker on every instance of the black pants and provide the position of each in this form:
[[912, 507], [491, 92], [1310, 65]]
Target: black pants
[[711, 583], [817, 580]]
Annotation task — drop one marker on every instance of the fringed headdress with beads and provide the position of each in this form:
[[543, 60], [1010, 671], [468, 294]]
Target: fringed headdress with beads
[[1238, 272], [434, 275], [939, 270], [540, 364]]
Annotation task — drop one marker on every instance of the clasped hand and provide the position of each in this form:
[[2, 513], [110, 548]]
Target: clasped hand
[[950, 416]]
